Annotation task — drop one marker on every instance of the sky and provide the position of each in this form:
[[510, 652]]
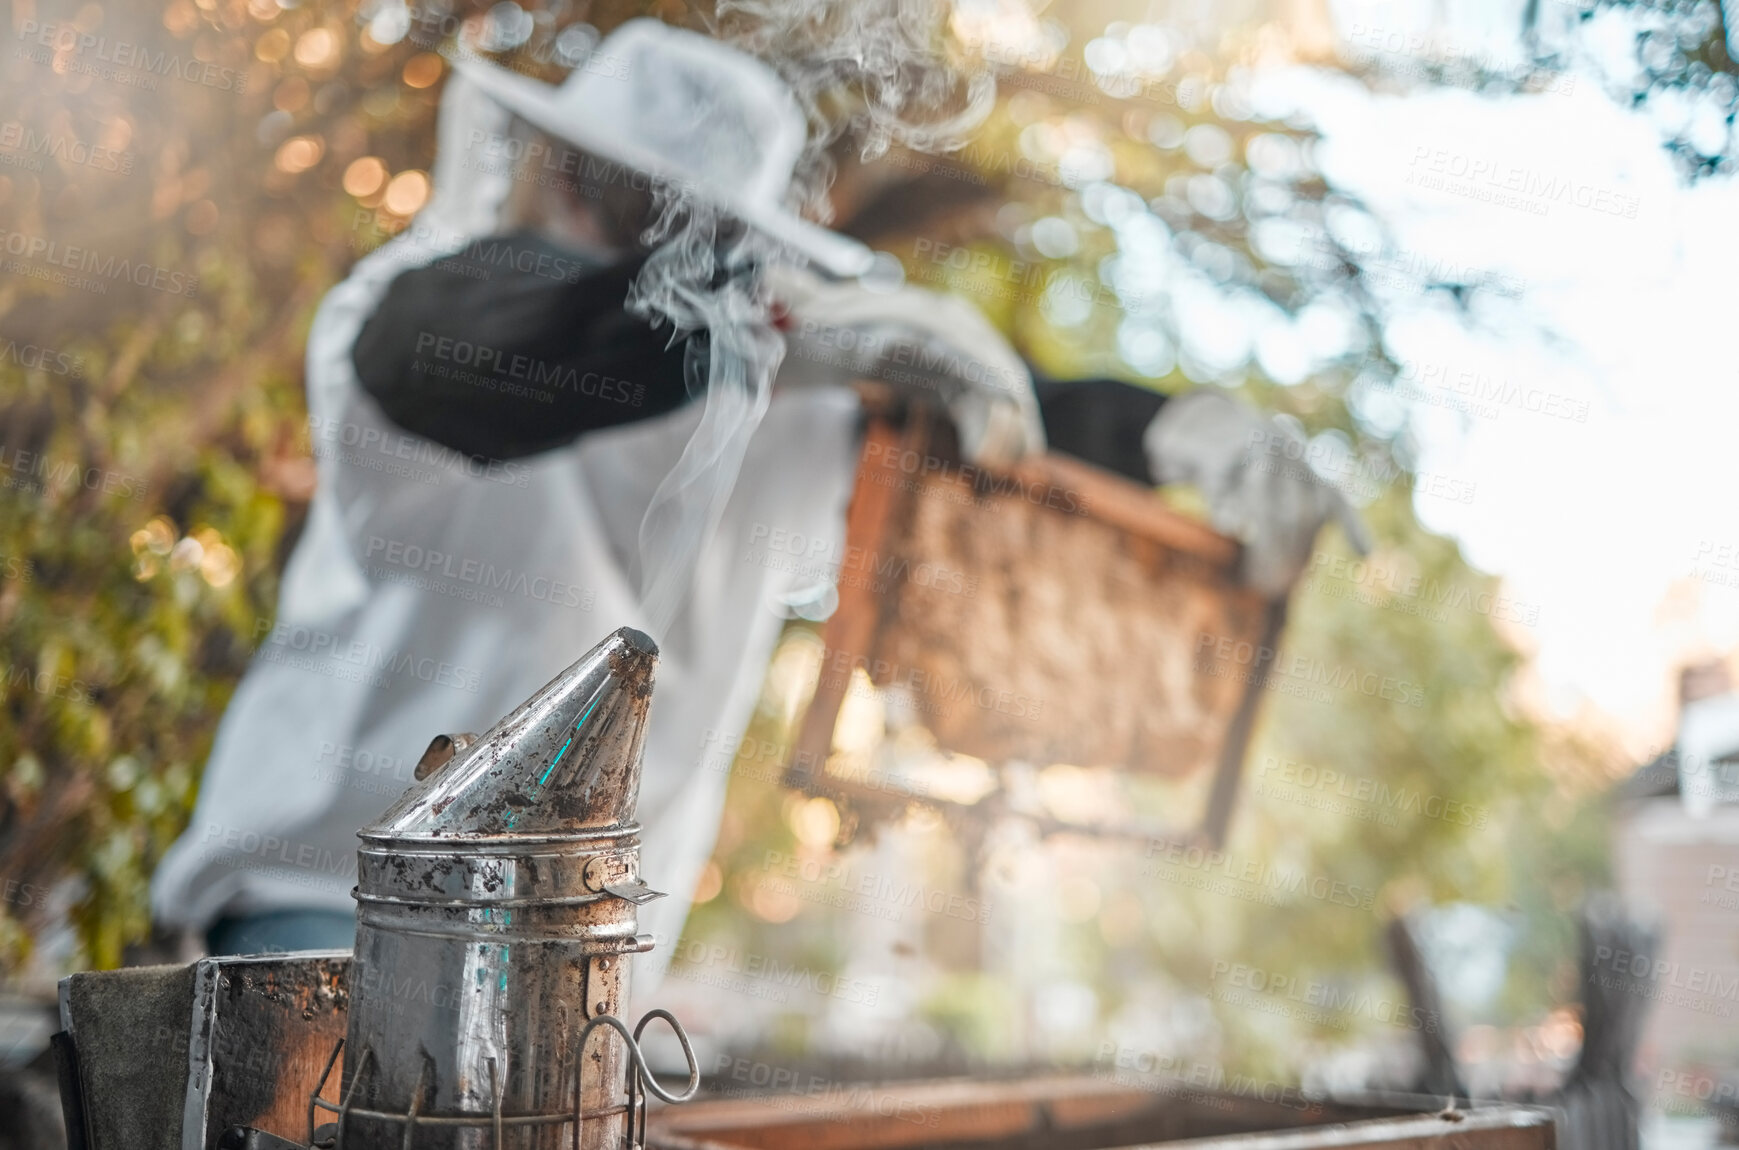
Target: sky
[[1598, 481]]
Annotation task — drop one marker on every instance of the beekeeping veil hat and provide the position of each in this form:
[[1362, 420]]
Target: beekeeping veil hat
[[690, 111]]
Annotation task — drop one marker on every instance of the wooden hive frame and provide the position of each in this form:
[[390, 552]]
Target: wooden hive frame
[[1051, 612]]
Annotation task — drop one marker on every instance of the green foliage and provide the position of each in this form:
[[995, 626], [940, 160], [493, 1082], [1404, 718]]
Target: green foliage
[[126, 622]]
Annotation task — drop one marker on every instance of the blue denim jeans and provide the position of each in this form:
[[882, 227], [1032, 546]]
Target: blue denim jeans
[[276, 931]]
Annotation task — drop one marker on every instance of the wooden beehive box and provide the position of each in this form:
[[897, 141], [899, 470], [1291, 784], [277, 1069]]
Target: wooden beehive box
[[1050, 613]]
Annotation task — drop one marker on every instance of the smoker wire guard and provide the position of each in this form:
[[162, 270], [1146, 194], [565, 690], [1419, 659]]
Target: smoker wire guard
[[640, 1081]]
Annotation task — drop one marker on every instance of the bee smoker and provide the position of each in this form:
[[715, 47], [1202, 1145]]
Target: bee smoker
[[496, 910]]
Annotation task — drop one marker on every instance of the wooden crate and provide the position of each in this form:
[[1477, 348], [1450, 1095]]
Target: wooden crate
[[1077, 1113], [1050, 613]]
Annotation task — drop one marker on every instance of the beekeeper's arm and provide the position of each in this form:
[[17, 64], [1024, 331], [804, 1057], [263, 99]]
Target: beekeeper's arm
[[516, 345], [837, 332]]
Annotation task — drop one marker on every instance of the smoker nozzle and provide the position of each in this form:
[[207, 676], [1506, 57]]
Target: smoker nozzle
[[566, 760]]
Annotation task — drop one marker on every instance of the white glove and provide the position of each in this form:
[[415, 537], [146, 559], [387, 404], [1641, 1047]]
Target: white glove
[[837, 332], [1271, 501]]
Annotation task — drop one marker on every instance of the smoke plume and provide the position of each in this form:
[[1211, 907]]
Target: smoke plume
[[876, 69]]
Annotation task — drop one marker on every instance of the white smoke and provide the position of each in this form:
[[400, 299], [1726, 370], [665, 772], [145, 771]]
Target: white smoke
[[699, 283], [877, 68]]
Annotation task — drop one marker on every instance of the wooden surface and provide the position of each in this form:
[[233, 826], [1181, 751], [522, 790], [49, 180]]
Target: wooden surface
[[1072, 1113], [1499, 1128]]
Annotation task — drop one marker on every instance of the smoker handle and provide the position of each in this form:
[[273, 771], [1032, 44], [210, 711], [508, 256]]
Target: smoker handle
[[632, 1041], [687, 1054]]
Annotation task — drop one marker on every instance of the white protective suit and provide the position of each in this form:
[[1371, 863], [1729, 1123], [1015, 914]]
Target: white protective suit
[[430, 594]]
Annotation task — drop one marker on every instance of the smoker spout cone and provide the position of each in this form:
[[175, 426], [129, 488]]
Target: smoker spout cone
[[566, 761]]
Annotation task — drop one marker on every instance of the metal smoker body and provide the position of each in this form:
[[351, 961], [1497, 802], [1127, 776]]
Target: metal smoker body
[[496, 908]]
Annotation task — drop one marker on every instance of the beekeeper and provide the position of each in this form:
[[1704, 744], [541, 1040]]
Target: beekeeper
[[492, 423], [490, 426]]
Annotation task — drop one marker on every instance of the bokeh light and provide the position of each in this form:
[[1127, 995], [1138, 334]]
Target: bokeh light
[[317, 48], [422, 70], [365, 177], [407, 193], [815, 822], [298, 154], [273, 45]]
